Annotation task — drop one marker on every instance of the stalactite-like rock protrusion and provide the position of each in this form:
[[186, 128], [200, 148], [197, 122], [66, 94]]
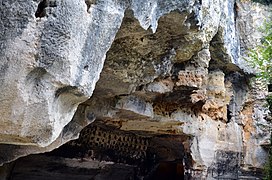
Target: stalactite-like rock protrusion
[[156, 69]]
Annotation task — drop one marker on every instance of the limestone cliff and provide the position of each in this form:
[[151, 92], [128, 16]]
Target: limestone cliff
[[152, 68]]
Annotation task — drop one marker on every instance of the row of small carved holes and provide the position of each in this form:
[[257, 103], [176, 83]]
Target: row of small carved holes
[[100, 138]]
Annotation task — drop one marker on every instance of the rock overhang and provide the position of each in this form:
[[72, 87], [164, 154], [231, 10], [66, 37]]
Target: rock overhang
[[167, 59]]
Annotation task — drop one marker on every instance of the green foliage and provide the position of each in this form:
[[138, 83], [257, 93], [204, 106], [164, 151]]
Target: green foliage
[[265, 2], [261, 59], [261, 56]]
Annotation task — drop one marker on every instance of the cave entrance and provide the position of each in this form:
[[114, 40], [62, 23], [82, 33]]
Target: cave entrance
[[103, 152], [168, 170]]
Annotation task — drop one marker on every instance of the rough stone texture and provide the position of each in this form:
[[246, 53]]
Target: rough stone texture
[[10, 152], [172, 68], [55, 168], [50, 64], [249, 24], [52, 54]]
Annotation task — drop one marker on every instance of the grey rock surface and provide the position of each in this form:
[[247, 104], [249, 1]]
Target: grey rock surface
[[159, 67], [50, 64], [52, 53]]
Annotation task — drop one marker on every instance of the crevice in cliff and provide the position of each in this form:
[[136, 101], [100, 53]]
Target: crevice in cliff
[[228, 114], [35, 75], [235, 10], [42, 6], [89, 3], [66, 89], [40, 12], [269, 87]]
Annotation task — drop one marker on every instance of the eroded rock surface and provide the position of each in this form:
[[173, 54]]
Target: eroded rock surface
[[163, 68]]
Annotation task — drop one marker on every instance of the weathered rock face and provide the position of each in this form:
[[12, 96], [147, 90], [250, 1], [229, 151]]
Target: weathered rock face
[[49, 64], [172, 68]]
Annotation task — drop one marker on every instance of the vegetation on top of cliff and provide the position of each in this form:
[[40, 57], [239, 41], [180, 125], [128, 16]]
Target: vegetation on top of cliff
[[260, 58], [265, 2], [261, 55]]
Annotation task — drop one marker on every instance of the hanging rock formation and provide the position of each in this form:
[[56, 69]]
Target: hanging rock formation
[[151, 68]]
